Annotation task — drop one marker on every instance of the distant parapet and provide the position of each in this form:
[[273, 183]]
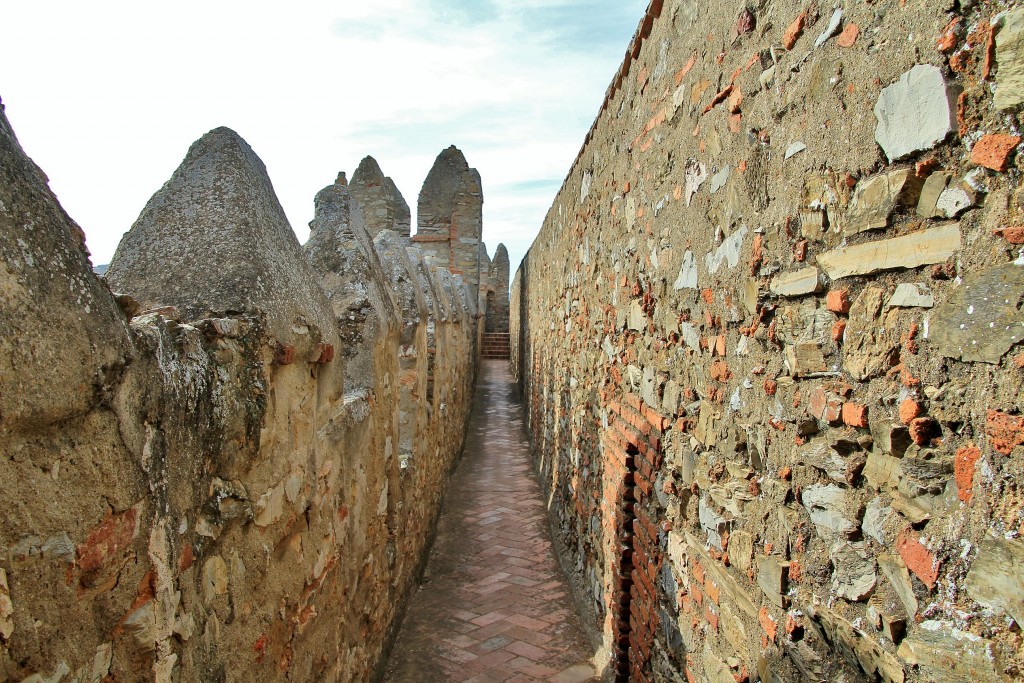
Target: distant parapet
[[497, 297], [450, 216], [60, 331], [405, 286], [214, 240], [383, 206]]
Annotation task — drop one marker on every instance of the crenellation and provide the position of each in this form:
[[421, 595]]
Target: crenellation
[[233, 467]]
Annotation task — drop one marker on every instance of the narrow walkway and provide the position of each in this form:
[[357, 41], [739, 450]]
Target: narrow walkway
[[494, 604]]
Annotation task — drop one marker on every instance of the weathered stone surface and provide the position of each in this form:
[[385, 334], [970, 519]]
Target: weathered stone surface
[[383, 206], [797, 282], [996, 579], [56, 349], [771, 578], [1010, 60], [857, 645], [917, 249], [214, 240], [915, 113], [981, 319], [871, 340], [853, 577], [911, 295], [827, 505], [933, 188], [877, 196], [948, 654], [805, 359]]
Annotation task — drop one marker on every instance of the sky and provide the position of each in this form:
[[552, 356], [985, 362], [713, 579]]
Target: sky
[[106, 97]]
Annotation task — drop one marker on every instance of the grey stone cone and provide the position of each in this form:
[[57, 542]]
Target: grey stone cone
[[214, 240], [61, 333], [384, 207]]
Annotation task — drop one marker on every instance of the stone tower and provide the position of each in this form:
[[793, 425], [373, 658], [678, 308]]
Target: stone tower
[[450, 216]]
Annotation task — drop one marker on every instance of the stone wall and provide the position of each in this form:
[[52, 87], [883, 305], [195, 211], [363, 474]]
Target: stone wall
[[231, 469], [769, 340]]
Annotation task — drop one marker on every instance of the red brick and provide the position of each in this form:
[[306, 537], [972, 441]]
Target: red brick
[[963, 466], [105, 542], [849, 35], [918, 558], [855, 414], [770, 387], [769, 625], [838, 301], [794, 30], [839, 331], [720, 371], [993, 151], [1004, 431], [1014, 235], [909, 410], [923, 430]]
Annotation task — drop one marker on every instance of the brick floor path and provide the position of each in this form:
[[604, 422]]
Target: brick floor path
[[494, 605]]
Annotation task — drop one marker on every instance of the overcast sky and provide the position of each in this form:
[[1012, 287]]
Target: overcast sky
[[106, 97]]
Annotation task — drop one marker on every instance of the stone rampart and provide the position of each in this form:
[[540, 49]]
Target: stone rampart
[[769, 340], [231, 469]]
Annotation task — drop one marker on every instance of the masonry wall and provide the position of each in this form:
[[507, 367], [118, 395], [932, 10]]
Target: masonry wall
[[769, 341], [230, 470]]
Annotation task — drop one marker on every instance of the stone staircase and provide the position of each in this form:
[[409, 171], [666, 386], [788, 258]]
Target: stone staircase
[[496, 345]]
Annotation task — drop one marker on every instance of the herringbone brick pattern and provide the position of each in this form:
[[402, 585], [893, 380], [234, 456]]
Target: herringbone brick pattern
[[494, 605]]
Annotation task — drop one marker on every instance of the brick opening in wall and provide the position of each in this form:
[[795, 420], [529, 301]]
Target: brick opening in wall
[[624, 581]]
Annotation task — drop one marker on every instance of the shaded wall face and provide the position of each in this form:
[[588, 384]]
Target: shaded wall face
[[225, 506], [779, 440]]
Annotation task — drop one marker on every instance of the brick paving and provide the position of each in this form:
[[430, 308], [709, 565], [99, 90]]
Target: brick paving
[[494, 604]]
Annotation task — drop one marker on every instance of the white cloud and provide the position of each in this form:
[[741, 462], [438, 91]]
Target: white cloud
[[108, 99]]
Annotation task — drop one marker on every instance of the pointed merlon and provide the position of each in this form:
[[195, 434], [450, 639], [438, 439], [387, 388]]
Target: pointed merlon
[[60, 329], [214, 240], [384, 207]]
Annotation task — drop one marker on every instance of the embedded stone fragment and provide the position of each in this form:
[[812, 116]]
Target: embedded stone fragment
[[1010, 60], [794, 149], [805, 359], [996, 579], [911, 295], [895, 571], [876, 197], [719, 180], [728, 251], [687, 273], [933, 188], [981, 320], [948, 654], [910, 251], [854, 575], [921, 561], [6, 608], [797, 282], [955, 199], [214, 239], [696, 174], [826, 504], [833, 28], [771, 577], [215, 578], [875, 661], [871, 342], [915, 113]]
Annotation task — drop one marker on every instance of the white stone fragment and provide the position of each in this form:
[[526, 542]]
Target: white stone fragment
[[727, 252], [719, 180], [953, 201], [831, 30], [687, 273], [696, 174], [915, 113], [794, 149], [911, 295]]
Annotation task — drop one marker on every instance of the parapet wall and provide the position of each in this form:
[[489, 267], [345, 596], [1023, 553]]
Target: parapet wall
[[769, 340], [231, 470]]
